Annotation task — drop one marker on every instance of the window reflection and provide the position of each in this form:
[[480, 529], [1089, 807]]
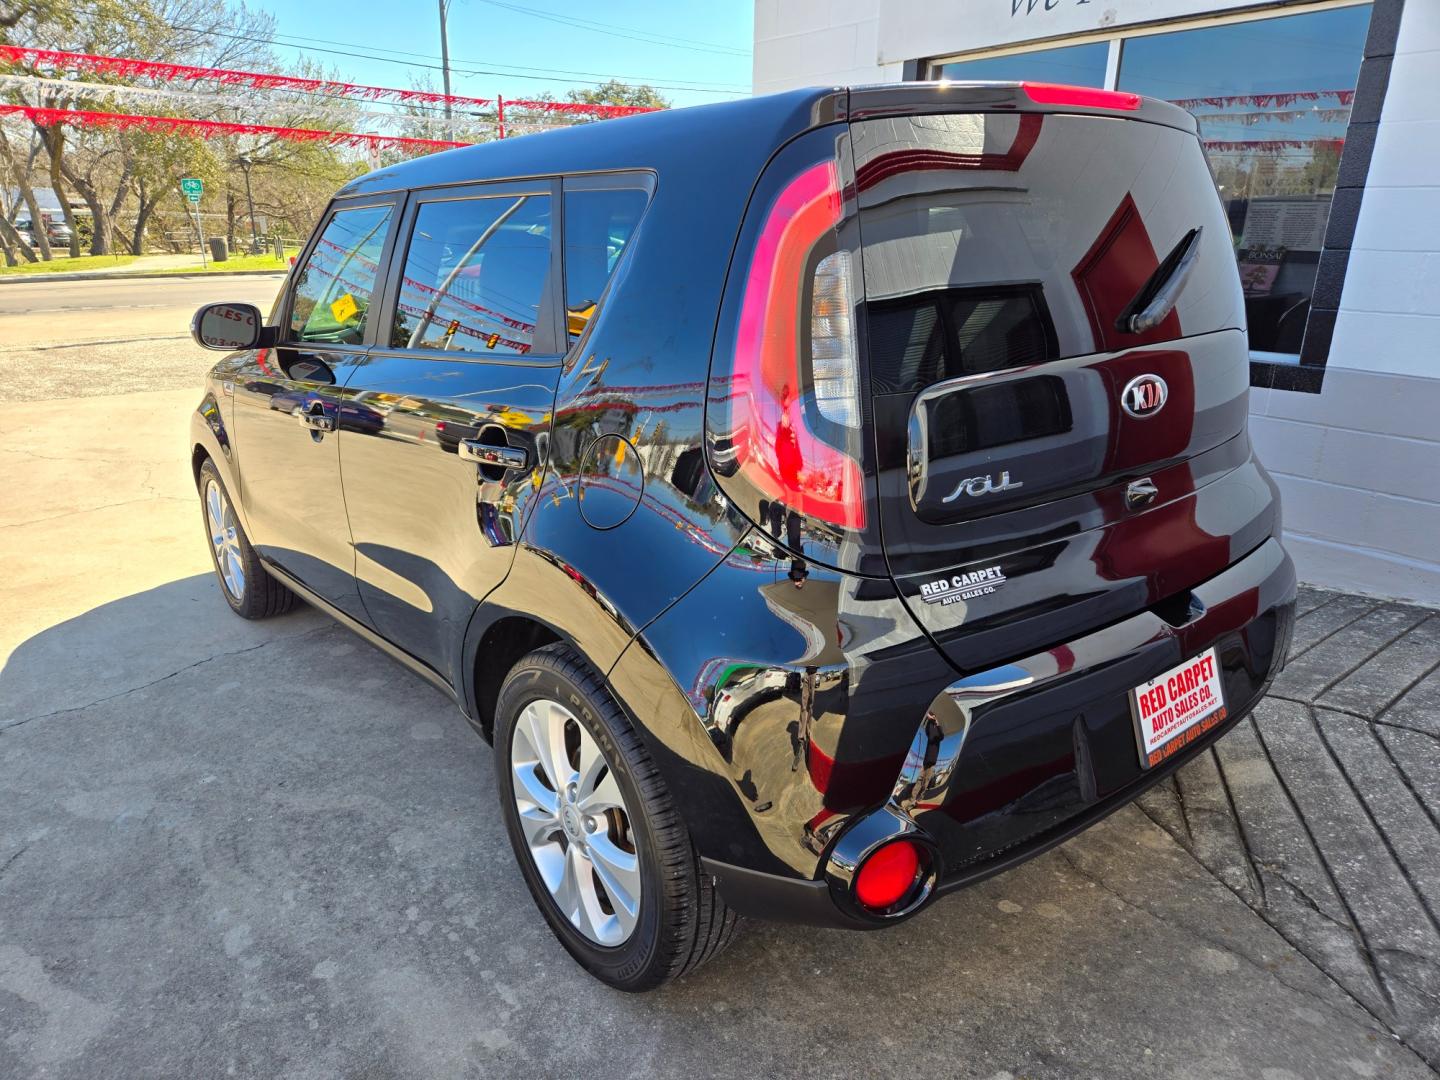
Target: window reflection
[[334, 288], [1273, 99], [474, 276], [1078, 65]]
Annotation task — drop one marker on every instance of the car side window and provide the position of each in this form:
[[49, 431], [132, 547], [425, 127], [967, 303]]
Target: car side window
[[598, 224], [334, 288], [475, 275]]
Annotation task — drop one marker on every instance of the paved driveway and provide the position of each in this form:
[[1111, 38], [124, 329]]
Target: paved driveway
[[266, 850]]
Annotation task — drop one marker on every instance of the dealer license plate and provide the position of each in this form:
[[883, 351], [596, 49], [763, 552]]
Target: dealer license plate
[[1176, 707]]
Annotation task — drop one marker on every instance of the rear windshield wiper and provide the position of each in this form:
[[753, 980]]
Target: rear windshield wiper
[[1156, 298]]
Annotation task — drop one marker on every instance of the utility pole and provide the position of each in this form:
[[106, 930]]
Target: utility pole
[[445, 66]]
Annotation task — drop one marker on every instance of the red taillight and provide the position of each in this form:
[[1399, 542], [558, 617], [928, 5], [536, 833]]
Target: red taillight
[[888, 876], [776, 447], [1084, 97]]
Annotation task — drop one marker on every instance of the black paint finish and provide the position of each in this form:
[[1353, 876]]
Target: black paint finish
[[786, 678]]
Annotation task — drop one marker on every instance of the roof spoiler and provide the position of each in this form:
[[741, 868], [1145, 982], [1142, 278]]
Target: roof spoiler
[[929, 98]]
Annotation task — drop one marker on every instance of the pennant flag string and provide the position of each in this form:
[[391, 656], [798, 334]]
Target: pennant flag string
[[1345, 97], [148, 69], [317, 111], [208, 129], [1284, 116], [1268, 146]]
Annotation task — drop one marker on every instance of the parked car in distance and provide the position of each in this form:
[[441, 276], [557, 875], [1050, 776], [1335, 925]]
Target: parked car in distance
[[56, 231], [821, 501]]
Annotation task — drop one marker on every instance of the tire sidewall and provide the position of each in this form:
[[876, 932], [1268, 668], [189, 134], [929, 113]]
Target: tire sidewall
[[631, 962]]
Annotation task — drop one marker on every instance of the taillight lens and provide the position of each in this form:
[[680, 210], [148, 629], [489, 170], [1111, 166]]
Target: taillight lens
[[791, 395], [1083, 97], [888, 876]]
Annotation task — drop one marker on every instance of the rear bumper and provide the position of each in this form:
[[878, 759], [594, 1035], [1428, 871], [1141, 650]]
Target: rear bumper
[[1013, 760]]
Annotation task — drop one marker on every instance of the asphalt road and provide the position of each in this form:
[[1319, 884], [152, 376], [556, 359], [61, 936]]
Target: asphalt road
[[263, 849], [88, 338]]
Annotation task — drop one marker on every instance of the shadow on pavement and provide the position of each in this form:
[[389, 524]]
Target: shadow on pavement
[[265, 848]]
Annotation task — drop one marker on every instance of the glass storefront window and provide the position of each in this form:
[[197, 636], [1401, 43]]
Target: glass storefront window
[[1272, 98], [1078, 65]]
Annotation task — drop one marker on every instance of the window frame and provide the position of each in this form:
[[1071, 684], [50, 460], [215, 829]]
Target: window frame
[[1306, 373], [549, 324], [284, 332]]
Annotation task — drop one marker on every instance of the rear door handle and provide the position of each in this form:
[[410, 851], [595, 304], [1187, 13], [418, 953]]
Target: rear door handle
[[505, 457], [315, 418]]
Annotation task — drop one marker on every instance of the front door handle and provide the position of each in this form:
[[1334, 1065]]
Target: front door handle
[[505, 457], [314, 418]]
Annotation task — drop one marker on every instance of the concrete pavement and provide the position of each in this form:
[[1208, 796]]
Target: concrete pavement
[[264, 849]]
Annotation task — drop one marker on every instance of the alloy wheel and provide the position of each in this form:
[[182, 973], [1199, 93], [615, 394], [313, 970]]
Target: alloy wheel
[[225, 540], [575, 822]]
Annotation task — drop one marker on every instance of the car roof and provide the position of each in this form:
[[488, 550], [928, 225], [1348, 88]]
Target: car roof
[[642, 141], [750, 129]]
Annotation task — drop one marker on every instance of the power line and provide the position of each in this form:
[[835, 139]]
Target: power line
[[519, 70], [542, 74], [453, 67]]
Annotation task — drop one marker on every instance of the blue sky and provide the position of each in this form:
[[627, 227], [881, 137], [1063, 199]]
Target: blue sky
[[697, 53]]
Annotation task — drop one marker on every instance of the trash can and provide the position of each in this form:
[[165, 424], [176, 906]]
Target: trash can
[[219, 249]]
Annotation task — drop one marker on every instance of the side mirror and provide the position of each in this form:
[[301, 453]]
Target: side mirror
[[228, 327]]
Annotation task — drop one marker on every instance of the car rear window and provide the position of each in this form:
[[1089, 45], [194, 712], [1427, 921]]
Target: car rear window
[[475, 275], [947, 333], [598, 225]]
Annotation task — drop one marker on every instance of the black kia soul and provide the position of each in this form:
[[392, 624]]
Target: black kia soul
[[822, 501]]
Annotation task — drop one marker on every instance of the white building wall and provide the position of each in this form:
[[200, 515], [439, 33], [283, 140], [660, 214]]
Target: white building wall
[[818, 43], [1359, 463]]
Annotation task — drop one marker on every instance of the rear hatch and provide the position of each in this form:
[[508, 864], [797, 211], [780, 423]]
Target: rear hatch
[[1053, 330]]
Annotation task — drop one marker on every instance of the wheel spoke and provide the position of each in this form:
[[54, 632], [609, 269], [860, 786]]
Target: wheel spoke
[[591, 917], [555, 720], [567, 892], [529, 788], [592, 766], [604, 796], [619, 872], [540, 828], [531, 729]]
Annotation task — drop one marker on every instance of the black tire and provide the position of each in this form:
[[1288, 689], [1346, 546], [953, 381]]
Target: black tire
[[261, 595], [682, 920]]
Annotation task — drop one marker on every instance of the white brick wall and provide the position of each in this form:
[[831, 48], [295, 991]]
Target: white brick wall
[[1359, 463]]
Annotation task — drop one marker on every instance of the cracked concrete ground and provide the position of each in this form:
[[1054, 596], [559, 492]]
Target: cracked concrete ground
[[264, 849]]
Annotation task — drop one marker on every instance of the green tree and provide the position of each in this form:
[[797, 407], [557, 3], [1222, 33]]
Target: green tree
[[616, 92]]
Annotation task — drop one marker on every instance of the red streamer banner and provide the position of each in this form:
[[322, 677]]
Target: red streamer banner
[[210, 129], [149, 69], [1263, 101], [1270, 146]]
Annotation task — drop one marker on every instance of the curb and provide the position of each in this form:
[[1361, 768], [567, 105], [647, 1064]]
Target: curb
[[30, 279]]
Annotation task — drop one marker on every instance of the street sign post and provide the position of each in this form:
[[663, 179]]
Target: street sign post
[[192, 187]]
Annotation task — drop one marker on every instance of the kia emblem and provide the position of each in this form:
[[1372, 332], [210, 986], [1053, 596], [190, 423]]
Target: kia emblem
[[1144, 396]]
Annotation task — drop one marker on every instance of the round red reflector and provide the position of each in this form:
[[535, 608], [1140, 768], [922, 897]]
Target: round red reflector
[[887, 876]]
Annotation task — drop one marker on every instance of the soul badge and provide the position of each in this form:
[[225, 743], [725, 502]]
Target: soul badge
[[966, 586]]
